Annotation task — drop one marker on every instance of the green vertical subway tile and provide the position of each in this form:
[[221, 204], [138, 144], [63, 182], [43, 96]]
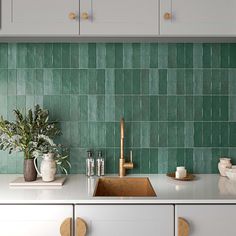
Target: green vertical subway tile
[[101, 55], [65, 55], [30, 82], [154, 134], [110, 55], [197, 55], [224, 134], [39, 82], [145, 134], [57, 55], [11, 56], [180, 157], [11, 82], [100, 108], [128, 136], [118, 55], [22, 55], [153, 161], [171, 82], [47, 102], [83, 82], [55, 106], [3, 81], [21, 103], [110, 134], [117, 134], [136, 82], [188, 55], [21, 82], [153, 81], [172, 159], [84, 134], [181, 108], [232, 108], [66, 81], [39, 55], [154, 108], [119, 81], [93, 134], [128, 104], [110, 81], [172, 108], [101, 134], [162, 81], [75, 81], [119, 107], [162, 55], [11, 105], [224, 101], [232, 81], [189, 108], [145, 108], [216, 81], [225, 55], [207, 81], [180, 55], [145, 161], [189, 81], [92, 81], [136, 55], [30, 61], [110, 161], [153, 55], [207, 55], [65, 108], [189, 159], [92, 108], [92, 55], [56, 83], [128, 75], [207, 134], [216, 154], [137, 113], [3, 106], [207, 108], [74, 55], [216, 136], [109, 108], [11, 163], [172, 55], [198, 82], [180, 86], [198, 161], [83, 55], [136, 134], [232, 55], [74, 133], [207, 160], [162, 116], [83, 108], [162, 135], [215, 108], [216, 56], [128, 55], [198, 134], [144, 79], [100, 82], [137, 161], [172, 134], [47, 56], [162, 160], [188, 134], [224, 81], [74, 107], [145, 55], [29, 102]]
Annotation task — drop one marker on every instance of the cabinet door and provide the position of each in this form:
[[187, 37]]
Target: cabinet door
[[41, 220], [119, 18], [127, 220], [39, 17], [204, 220], [198, 17]]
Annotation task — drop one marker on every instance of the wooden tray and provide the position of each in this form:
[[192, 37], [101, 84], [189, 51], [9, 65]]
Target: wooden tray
[[189, 177]]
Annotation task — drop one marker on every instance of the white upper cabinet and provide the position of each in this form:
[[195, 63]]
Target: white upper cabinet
[[39, 17], [197, 18], [119, 18]]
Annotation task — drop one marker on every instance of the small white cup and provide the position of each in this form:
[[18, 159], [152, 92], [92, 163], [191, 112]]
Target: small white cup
[[180, 172]]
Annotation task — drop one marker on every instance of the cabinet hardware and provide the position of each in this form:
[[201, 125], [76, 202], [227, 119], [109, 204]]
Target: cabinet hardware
[[81, 227], [183, 227], [85, 16], [72, 16], [167, 16], [65, 228]]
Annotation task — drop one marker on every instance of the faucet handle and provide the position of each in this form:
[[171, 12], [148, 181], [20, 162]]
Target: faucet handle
[[131, 156]]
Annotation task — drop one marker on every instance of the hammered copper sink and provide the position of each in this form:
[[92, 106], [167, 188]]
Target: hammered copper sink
[[124, 187]]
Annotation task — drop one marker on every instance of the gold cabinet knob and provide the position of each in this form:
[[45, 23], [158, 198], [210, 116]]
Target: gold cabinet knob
[[167, 16], [85, 16], [183, 227], [72, 16]]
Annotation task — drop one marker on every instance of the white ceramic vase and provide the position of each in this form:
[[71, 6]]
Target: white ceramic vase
[[223, 164], [48, 167]]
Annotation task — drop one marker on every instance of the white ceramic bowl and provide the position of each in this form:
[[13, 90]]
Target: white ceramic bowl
[[231, 173]]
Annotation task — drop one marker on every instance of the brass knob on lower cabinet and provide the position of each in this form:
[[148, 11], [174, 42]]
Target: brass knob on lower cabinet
[[65, 229], [72, 16], [85, 16], [183, 227], [167, 16], [81, 227]]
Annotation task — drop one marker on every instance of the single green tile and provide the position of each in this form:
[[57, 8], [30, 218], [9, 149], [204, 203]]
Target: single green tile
[[75, 81], [232, 81], [232, 108], [207, 55], [48, 55], [128, 108], [198, 107], [189, 81], [65, 55], [83, 108], [153, 81], [162, 81], [11, 56], [216, 81], [66, 81], [216, 134], [119, 107], [207, 108], [171, 81], [65, 108], [163, 134], [110, 161], [128, 55], [145, 108], [92, 55], [117, 134], [224, 101], [153, 161], [180, 86], [100, 108], [101, 127], [83, 55], [154, 104], [119, 81], [215, 108], [216, 55], [101, 55], [154, 134], [145, 55], [225, 129], [118, 55], [225, 55], [207, 134], [21, 82], [137, 161], [172, 108], [11, 82], [110, 81], [30, 82], [100, 82], [224, 81], [136, 57], [207, 81], [128, 136], [172, 134], [74, 107], [153, 55], [172, 55], [198, 55], [29, 102], [172, 159], [189, 159], [188, 55], [93, 134], [163, 55], [198, 82], [74, 55], [110, 108], [189, 108], [39, 58], [144, 81], [110, 58], [180, 157], [232, 55], [92, 81], [136, 134], [145, 160], [110, 134], [92, 108], [189, 134], [162, 108], [181, 108], [145, 134], [83, 82], [84, 134], [3, 81], [162, 160], [136, 82], [128, 75], [216, 154], [55, 107], [57, 55], [198, 134], [180, 55]]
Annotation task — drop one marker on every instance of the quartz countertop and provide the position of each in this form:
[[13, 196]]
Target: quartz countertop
[[78, 189]]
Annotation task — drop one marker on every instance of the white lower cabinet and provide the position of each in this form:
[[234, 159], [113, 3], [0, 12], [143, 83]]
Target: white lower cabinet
[[36, 220], [204, 220], [126, 220]]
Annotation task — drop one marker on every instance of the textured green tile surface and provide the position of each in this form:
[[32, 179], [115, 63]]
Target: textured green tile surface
[[178, 100]]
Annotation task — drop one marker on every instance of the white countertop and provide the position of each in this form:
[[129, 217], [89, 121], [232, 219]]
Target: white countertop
[[78, 189]]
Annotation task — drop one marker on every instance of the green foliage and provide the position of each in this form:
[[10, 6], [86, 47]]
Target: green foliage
[[33, 134]]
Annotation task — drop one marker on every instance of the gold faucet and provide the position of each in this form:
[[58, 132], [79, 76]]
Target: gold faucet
[[124, 165]]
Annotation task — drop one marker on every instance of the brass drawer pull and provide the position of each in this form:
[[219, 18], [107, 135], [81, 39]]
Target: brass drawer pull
[[81, 227], [183, 227], [65, 228], [167, 16]]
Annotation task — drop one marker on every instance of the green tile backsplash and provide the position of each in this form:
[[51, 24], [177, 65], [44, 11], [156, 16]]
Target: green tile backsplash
[[178, 100]]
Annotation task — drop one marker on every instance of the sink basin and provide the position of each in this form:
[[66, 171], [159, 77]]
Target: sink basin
[[124, 187]]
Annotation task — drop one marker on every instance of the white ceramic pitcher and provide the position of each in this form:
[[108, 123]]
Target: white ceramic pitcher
[[48, 167]]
